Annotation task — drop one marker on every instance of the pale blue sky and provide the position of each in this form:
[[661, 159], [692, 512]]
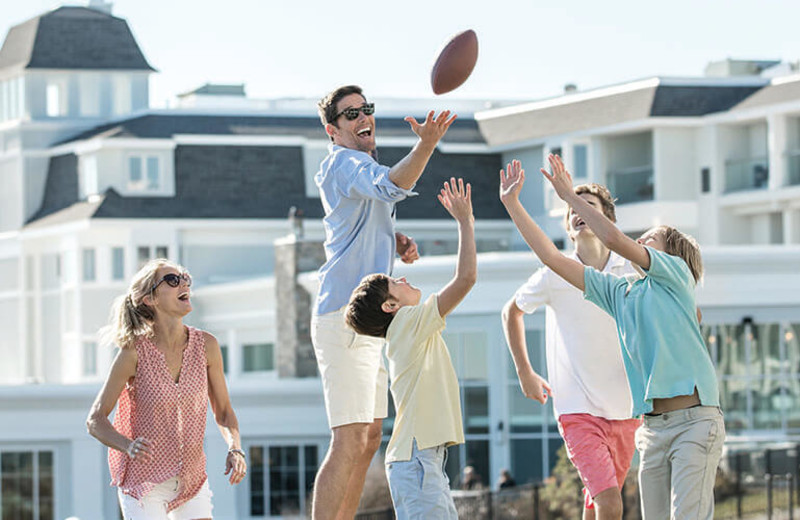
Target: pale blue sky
[[528, 49]]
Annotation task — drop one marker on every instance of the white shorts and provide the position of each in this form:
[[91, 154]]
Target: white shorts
[[153, 506], [354, 378]]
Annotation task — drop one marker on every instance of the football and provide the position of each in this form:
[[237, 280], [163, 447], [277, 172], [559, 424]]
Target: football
[[454, 62]]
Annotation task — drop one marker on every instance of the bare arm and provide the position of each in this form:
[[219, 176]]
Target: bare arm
[[511, 181], [235, 463], [532, 384], [604, 229], [406, 172], [457, 200], [406, 248], [97, 423]]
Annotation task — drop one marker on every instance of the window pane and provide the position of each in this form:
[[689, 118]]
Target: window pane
[[257, 498], [118, 263], [135, 169], [476, 364], [733, 399], [88, 265], [792, 338], [53, 100], [579, 161], [16, 501], [311, 456], [224, 350], [152, 173], [162, 252], [525, 415], [478, 458], [46, 485], [89, 358], [284, 485], [142, 256], [258, 358], [476, 409], [526, 460]]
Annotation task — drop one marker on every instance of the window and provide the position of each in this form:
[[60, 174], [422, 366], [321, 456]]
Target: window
[[56, 94], [89, 170], [89, 358], [144, 172], [89, 95], [705, 180], [224, 350], [580, 162], [281, 479], [118, 263], [146, 253], [122, 95], [26, 485], [258, 357], [89, 274]]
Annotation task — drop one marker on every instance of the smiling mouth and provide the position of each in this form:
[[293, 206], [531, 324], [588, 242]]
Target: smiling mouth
[[184, 297], [364, 132]]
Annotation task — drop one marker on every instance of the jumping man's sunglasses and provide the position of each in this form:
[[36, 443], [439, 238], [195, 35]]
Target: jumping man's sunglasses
[[352, 112], [173, 280]]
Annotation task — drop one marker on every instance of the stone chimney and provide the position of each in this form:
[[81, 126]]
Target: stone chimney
[[293, 255]]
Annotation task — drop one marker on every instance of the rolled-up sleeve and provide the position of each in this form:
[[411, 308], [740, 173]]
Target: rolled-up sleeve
[[369, 180]]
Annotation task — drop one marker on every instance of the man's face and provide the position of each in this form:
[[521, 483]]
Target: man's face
[[576, 227], [356, 134]]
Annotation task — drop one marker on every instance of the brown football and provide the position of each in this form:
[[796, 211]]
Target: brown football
[[455, 62]]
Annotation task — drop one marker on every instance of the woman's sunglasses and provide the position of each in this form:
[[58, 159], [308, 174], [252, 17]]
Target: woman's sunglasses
[[351, 113], [173, 280]]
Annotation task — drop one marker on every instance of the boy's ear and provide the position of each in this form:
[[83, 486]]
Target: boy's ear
[[390, 306]]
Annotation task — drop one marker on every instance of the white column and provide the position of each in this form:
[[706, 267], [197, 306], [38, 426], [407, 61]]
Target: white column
[[776, 146]]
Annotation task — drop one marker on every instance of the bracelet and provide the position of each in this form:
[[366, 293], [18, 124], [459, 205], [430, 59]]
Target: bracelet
[[239, 451]]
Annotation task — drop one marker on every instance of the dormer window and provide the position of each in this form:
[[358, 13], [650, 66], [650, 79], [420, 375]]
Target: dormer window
[[56, 98], [144, 173]]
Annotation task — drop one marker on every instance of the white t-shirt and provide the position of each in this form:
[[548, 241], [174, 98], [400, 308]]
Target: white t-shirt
[[584, 358]]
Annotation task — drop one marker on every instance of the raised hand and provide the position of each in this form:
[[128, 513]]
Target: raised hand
[[560, 177], [457, 199], [433, 129], [511, 181]]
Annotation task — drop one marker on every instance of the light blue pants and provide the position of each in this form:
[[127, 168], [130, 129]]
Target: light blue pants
[[420, 487]]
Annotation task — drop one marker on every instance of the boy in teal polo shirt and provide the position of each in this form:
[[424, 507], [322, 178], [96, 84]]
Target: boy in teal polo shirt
[[673, 382]]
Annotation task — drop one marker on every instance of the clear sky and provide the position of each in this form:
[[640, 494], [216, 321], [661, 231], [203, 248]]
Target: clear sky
[[528, 48]]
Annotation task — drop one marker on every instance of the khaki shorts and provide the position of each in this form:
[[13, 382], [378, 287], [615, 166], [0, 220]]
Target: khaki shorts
[[354, 378]]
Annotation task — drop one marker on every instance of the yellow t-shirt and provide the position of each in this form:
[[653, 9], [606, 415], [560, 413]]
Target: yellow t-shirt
[[423, 382]]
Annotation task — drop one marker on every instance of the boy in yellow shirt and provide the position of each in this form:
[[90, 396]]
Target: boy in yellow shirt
[[423, 381]]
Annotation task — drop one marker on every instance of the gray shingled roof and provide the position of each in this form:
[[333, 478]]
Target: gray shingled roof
[[651, 100], [72, 38], [165, 126], [257, 182]]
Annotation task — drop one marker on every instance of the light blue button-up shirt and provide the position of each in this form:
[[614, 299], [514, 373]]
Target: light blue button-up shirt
[[662, 347], [358, 199]]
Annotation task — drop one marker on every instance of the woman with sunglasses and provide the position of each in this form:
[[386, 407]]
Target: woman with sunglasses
[[161, 381]]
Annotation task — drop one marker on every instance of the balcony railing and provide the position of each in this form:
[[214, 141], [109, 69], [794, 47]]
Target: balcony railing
[[746, 174], [793, 167], [629, 185]]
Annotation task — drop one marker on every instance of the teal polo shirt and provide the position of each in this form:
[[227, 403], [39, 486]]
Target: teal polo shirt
[[662, 347]]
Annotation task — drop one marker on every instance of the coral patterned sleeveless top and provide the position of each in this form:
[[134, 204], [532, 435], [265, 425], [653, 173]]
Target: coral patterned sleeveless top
[[172, 416]]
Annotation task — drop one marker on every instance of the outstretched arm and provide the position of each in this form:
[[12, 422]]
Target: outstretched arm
[[604, 229], [457, 200], [532, 384], [406, 172], [511, 181]]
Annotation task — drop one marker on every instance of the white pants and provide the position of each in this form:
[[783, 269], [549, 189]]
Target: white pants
[[153, 506], [679, 455]]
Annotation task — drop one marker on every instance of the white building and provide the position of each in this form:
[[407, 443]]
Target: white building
[[92, 184]]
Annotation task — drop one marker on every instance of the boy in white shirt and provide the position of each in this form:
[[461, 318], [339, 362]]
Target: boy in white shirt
[[585, 370], [423, 381]]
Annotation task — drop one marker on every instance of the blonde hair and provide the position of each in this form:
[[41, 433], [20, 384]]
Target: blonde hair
[[680, 244], [130, 316]]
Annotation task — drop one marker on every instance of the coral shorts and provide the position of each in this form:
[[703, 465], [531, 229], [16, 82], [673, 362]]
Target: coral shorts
[[600, 449]]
